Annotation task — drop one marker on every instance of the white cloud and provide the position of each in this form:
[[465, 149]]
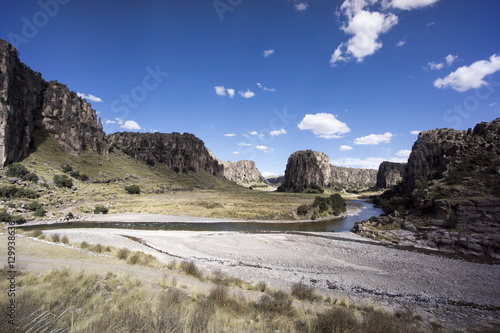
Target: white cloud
[[262, 147], [404, 153], [345, 148], [401, 43], [267, 53], [470, 77], [115, 121], [90, 97], [278, 132], [435, 66], [268, 174], [409, 4], [220, 90], [430, 24], [301, 7], [374, 139], [236, 152], [415, 132], [265, 88], [131, 125], [230, 134], [246, 94], [253, 133], [366, 27], [324, 125], [492, 104], [366, 163], [450, 59], [230, 92], [244, 144]]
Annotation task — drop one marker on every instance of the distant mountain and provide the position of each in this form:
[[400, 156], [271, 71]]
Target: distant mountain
[[243, 173], [449, 196], [389, 174], [310, 170]]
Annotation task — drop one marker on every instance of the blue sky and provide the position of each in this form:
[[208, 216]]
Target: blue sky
[[261, 79]]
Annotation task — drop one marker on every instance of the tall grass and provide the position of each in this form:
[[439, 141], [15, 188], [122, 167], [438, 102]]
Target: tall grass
[[66, 301]]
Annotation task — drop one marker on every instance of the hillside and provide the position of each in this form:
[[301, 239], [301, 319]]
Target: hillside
[[449, 196]]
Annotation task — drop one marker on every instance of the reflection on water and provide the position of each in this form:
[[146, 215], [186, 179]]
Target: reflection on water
[[337, 224]]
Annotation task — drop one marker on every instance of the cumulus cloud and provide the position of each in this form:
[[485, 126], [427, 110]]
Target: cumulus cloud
[[374, 139], [90, 97], [131, 125], [220, 90], [265, 88], [324, 125], [244, 144], [345, 148], [409, 4], [450, 59], [278, 132], [268, 53], [415, 132], [262, 147], [246, 94], [301, 7], [267, 174], [230, 134], [435, 65], [230, 92], [236, 152], [470, 77], [404, 153]]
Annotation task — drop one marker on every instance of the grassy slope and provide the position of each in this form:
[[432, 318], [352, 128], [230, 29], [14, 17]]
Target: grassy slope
[[162, 190]]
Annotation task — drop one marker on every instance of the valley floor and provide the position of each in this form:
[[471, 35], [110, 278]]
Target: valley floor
[[453, 292]]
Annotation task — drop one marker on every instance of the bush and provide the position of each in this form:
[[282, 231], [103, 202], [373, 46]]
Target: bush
[[190, 268], [40, 212], [10, 192], [65, 239], [80, 176], [302, 291], [101, 209], [33, 206], [69, 216], [219, 294], [19, 171], [66, 168], [302, 210], [277, 302], [133, 189], [123, 253], [56, 238], [6, 217], [336, 320], [63, 181]]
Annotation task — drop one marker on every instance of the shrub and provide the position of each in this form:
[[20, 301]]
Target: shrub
[[133, 189], [84, 245], [66, 168], [65, 239], [219, 294], [123, 253], [63, 181], [302, 291], [277, 302], [302, 210], [33, 206], [190, 268], [6, 217], [56, 238], [10, 192], [40, 212], [20, 171], [335, 320], [101, 209], [69, 216], [135, 258]]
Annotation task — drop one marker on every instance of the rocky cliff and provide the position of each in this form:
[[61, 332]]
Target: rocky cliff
[[243, 172], [449, 198], [28, 102], [389, 174], [311, 169], [179, 152]]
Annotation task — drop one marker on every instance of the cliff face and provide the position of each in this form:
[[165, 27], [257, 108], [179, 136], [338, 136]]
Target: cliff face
[[449, 197], [180, 152], [28, 102], [389, 174], [307, 168], [243, 172]]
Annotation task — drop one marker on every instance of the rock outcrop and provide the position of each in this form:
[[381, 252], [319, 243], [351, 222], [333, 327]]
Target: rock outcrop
[[243, 173], [276, 181], [310, 169], [389, 174], [28, 102], [449, 198], [182, 153]]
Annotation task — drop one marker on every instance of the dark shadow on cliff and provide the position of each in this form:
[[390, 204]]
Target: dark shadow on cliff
[[38, 137]]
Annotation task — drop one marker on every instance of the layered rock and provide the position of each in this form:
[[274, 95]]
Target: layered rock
[[179, 152], [310, 169], [389, 174], [28, 102], [449, 197], [243, 172]]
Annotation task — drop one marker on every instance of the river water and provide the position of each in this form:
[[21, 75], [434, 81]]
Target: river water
[[336, 224]]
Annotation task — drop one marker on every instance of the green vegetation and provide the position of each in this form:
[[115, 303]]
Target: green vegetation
[[133, 189], [323, 206], [63, 181], [101, 209], [11, 192], [303, 292], [19, 171], [6, 217]]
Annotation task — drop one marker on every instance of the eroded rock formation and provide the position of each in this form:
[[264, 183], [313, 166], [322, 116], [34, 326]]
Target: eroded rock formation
[[389, 174], [179, 152], [309, 169], [243, 172], [28, 102]]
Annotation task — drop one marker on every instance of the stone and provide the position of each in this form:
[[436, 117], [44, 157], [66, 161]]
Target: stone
[[389, 174], [243, 173]]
